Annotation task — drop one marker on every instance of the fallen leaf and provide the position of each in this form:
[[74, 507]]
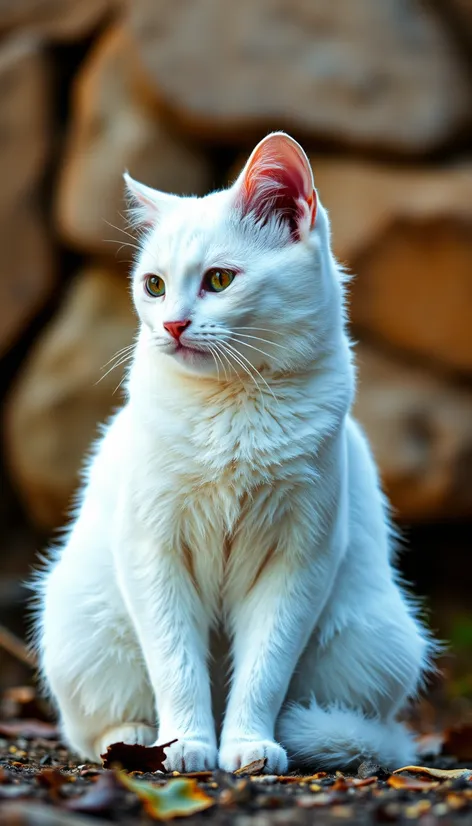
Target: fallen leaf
[[411, 783], [136, 758], [437, 774], [180, 797], [256, 767], [29, 729], [341, 784], [102, 796], [52, 780], [458, 742], [300, 778]]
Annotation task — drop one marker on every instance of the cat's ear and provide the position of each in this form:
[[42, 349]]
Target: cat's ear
[[278, 179], [146, 204]]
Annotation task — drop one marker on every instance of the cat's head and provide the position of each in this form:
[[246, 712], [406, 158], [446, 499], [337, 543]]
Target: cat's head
[[242, 279]]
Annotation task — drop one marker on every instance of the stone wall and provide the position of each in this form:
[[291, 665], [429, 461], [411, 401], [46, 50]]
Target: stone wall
[[380, 93]]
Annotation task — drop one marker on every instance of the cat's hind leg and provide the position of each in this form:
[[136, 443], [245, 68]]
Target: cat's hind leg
[[91, 662], [343, 702]]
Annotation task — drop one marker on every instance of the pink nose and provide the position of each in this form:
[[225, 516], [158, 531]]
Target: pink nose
[[176, 328]]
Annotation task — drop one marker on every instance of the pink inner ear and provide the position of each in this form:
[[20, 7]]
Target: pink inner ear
[[278, 179]]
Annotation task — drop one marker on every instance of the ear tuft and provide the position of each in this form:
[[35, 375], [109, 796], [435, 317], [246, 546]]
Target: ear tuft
[[278, 179], [146, 204]]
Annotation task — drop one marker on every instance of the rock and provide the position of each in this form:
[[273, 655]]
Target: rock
[[27, 270], [52, 412], [54, 19], [406, 234], [373, 74], [26, 267], [114, 128], [24, 117], [420, 428]]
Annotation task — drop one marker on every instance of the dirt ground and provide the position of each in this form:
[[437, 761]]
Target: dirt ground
[[41, 784]]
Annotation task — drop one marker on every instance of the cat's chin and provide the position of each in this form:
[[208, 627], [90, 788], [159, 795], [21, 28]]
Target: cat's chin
[[200, 361]]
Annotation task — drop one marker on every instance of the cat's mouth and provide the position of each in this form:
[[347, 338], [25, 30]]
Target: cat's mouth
[[189, 353]]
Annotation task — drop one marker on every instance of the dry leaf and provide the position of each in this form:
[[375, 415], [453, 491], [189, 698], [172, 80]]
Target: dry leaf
[[180, 797], [136, 758], [300, 778], [411, 783], [437, 774], [256, 767], [341, 784], [52, 780], [29, 729]]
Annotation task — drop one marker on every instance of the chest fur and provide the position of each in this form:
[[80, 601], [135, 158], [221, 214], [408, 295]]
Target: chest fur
[[221, 493]]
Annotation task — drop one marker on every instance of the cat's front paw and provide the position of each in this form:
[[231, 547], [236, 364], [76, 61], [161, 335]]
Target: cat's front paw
[[237, 753], [190, 756]]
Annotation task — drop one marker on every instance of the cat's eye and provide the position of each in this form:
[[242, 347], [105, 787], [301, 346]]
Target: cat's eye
[[154, 286], [216, 280]]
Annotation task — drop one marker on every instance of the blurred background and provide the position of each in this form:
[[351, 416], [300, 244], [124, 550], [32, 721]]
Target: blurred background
[[178, 92]]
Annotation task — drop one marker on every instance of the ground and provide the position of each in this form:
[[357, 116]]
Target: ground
[[41, 784]]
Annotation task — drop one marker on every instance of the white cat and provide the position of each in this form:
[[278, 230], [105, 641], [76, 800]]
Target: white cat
[[234, 493]]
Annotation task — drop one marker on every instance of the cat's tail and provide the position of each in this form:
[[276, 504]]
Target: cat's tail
[[340, 738]]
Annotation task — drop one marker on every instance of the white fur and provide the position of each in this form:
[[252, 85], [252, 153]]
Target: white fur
[[233, 492]]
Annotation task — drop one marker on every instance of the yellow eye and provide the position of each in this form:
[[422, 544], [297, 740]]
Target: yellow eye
[[154, 286], [216, 281]]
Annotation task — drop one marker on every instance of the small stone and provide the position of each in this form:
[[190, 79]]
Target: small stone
[[371, 769]]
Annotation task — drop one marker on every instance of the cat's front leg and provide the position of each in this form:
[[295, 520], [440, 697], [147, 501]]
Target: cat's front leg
[[270, 630], [172, 629]]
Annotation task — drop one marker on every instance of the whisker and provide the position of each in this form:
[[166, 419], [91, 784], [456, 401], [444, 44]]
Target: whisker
[[127, 221], [231, 351], [122, 245], [231, 367], [214, 350], [255, 370], [121, 361], [214, 359], [240, 359], [228, 355], [259, 329], [119, 385], [264, 340], [120, 229], [117, 354], [257, 349]]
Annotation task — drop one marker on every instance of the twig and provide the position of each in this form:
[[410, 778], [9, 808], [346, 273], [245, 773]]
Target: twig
[[16, 647]]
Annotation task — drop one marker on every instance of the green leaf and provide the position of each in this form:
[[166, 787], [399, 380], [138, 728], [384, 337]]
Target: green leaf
[[180, 797]]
